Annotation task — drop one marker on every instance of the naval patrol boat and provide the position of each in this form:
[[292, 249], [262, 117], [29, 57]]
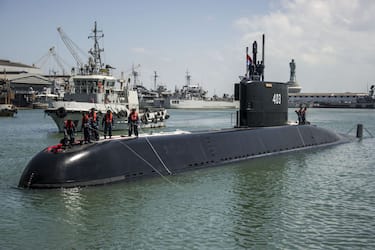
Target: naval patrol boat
[[93, 87], [262, 129]]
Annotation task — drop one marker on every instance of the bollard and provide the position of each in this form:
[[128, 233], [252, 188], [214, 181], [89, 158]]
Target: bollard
[[359, 130]]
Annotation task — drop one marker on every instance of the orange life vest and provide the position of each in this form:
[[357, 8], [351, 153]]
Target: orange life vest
[[85, 119], [134, 116], [69, 124], [92, 115], [108, 118]]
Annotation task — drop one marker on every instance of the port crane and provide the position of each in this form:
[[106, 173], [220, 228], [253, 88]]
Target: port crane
[[45, 58], [72, 47]]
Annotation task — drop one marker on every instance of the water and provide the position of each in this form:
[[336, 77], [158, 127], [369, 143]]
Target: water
[[317, 199]]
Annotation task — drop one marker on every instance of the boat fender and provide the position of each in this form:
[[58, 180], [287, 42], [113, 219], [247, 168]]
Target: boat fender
[[166, 116], [161, 118], [148, 115], [61, 112]]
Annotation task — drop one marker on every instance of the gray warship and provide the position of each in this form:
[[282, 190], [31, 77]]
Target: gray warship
[[262, 129]]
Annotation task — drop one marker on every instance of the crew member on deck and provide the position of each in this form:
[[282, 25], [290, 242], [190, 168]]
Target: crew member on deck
[[86, 127], [303, 115], [133, 122], [69, 130], [107, 123], [94, 124], [299, 115]]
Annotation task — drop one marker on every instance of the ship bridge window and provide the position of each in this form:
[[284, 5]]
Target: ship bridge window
[[110, 83]]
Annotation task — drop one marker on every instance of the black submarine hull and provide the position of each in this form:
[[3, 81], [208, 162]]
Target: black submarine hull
[[128, 159]]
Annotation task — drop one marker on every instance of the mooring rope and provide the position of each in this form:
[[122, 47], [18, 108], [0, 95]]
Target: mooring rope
[[148, 163], [372, 136], [155, 152], [157, 155], [350, 130], [369, 133]]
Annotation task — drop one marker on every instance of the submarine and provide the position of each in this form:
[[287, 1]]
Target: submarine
[[262, 129]]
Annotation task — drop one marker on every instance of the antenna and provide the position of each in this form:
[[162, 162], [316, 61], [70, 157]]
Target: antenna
[[155, 76], [247, 62], [188, 77], [263, 38], [96, 52]]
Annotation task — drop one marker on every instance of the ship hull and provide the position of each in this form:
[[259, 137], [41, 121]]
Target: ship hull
[[202, 104], [63, 111], [126, 159], [345, 105], [7, 110]]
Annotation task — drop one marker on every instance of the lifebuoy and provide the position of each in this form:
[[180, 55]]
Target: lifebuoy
[[61, 112]]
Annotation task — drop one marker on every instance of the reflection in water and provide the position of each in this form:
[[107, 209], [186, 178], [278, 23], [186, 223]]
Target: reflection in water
[[74, 204], [256, 201]]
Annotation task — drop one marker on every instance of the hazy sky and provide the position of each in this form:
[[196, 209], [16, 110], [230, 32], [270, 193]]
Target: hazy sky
[[332, 42]]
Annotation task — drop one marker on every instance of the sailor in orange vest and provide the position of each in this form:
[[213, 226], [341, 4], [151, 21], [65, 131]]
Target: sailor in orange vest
[[86, 127], [69, 130], [107, 123], [133, 122], [94, 124]]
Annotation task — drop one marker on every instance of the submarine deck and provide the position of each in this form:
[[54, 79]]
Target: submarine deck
[[124, 158]]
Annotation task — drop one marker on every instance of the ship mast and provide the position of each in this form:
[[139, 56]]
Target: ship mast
[[96, 62], [155, 77], [188, 77]]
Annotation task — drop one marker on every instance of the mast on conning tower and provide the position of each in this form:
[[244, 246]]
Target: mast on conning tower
[[255, 68]]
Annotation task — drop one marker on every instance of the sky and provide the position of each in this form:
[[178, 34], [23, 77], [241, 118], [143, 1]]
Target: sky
[[331, 41]]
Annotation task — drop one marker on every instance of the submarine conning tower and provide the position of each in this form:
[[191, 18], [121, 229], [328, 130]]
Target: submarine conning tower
[[262, 103]]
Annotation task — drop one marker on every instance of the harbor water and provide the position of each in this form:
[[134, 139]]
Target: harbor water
[[314, 199]]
